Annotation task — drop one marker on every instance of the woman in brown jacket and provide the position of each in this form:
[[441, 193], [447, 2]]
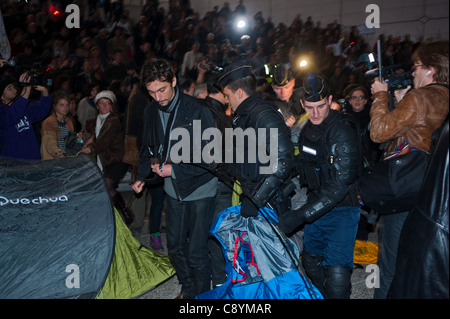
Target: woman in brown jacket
[[56, 128], [106, 144]]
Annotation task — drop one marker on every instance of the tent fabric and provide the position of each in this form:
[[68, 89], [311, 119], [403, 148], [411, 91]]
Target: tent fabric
[[259, 264], [365, 252], [58, 235], [135, 269], [56, 219]]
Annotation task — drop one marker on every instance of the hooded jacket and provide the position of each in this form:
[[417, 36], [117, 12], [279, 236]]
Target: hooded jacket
[[17, 137]]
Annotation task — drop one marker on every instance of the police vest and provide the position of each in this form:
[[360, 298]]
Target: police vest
[[316, 162]]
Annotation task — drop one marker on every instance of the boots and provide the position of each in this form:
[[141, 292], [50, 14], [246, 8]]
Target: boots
[[338, 284], [314, 269], [119, 203]]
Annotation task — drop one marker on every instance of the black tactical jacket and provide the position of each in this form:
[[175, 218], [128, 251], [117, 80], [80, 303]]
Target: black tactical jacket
[[330, 162], [255, 113]]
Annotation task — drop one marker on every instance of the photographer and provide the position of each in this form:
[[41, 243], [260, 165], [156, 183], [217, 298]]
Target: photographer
[[17, 115], [416, 115]]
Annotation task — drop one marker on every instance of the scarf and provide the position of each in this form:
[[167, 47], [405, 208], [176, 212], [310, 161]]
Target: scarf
[[161, 131]]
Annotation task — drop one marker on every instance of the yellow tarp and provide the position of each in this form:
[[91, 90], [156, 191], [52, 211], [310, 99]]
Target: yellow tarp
[[365, 252]]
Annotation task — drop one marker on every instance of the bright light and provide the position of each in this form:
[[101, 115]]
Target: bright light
[[303, 63], [241, 24]]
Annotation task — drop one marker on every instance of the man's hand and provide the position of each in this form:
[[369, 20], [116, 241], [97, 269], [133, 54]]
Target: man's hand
[[165, 172], [399, 94], [42, 89], [289, 221], [248, 209], [290, 121], [335, 106], [138, 186], [378, 86], [86, 150]]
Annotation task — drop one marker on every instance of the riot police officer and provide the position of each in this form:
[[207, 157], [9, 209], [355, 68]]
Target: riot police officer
[[259, 182], [285, 95], [329, 163]]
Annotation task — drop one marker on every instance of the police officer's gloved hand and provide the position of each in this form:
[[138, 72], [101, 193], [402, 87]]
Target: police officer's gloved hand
[[248, 209], [291, 220]]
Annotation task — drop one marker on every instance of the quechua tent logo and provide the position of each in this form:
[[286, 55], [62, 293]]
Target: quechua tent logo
[[37, 201]]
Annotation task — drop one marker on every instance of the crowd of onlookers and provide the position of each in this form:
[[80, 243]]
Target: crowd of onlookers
[[110, 47]]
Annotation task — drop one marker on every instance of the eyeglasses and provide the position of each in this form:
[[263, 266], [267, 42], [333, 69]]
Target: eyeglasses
[[414, 67], [355, 98]]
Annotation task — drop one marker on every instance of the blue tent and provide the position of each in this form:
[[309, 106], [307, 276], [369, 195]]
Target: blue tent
[[260, 262]]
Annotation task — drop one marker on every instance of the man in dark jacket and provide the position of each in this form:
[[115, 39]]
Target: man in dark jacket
[[190, 187], [285, 95], [422, 270], [217, 103], [254, 116], [330, 162]]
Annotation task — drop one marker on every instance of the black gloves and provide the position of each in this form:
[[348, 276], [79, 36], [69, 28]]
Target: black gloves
[[291, 220], [248, 209]]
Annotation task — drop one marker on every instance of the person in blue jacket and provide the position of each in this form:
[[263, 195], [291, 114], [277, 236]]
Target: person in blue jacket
[[17, 115]]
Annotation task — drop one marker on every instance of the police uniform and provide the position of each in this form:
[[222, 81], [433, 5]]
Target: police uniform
[[282, 76], [254, 112], [329, 163]]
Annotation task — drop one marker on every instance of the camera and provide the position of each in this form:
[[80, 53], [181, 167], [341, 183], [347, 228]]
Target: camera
[[395, 81], [39, 75], [41, 79]]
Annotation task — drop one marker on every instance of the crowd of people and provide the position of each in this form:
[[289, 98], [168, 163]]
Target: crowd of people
[[88, 84], [110, 48]]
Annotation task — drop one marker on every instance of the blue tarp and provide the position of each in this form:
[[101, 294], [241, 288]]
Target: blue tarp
[[260, 263]]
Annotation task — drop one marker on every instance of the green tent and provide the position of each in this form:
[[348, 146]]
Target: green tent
[[135, 269]]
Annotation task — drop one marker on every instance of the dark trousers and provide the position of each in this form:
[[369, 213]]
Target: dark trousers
[[187, 232], [154, 219], [223, 201], [332, 236], [389, 237]]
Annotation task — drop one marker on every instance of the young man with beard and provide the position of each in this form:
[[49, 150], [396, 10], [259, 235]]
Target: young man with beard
[[190, 187], [330, 162]]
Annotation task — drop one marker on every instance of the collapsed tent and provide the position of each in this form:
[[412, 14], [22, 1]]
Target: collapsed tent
[[260, 263], [61, 237], [135, 269]]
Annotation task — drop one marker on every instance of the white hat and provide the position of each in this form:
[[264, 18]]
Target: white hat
[[108, 94]]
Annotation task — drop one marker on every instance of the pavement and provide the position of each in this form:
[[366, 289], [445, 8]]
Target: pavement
[[171, 288]]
